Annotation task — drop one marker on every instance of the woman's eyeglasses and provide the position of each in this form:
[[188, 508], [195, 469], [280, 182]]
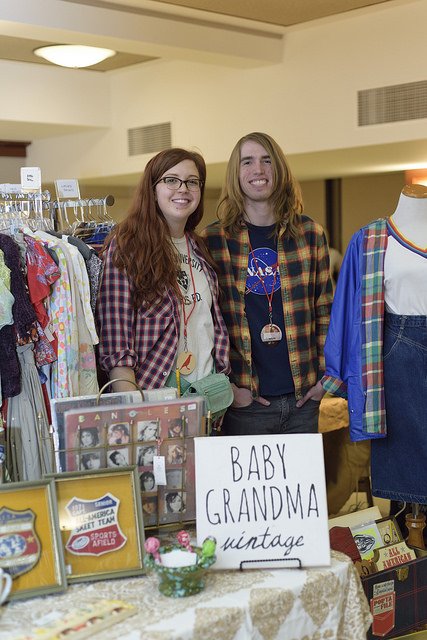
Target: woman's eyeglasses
[[192, 184]]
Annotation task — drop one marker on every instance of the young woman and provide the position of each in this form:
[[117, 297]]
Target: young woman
[[145, 456], [89, 437], [174, 502], [158, 314], [147, 481]]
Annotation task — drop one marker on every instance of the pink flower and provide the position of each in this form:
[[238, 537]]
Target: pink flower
[[183, 538], [152, 545]]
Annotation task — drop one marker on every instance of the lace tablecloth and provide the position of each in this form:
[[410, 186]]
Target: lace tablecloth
[[288, 604]]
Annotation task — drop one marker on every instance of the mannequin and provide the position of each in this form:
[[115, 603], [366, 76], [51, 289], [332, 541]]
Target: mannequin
[[408, 269], [376, 348], [411, 214]]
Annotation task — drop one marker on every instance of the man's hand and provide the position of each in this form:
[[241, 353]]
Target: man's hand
[[315, 393], [243, 398]]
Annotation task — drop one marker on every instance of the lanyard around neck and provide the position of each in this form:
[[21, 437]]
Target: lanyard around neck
[[270, 295], [186, 317]]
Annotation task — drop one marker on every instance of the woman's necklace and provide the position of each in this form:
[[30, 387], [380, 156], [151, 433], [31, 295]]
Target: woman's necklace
[[186, 360]]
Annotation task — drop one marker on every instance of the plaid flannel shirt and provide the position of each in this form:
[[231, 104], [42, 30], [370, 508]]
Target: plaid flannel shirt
[[306, 292], [354, 345], [147, 340]]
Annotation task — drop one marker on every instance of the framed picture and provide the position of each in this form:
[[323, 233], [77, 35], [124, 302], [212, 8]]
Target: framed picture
[[176, 453], [119, 433], [148, 430], [100, 520], [145, 455], [89, 437], [147, 481], [367, 538], [133, 434], [150, 511], [119, 457], [174, 504], [389, 530], [30, 540], [177, 427], [91, 459], [175, 478]]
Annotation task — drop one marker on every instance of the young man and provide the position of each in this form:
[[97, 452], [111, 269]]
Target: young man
[[273, 266]]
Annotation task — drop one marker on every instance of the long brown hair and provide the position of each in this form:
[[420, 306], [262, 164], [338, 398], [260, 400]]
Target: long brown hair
[[144, 249], [286, 197]]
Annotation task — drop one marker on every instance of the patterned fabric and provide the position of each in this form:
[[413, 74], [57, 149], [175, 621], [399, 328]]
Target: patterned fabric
[[4, 271], [61, 313], [282, 604], [6, 304], [408, 244], [74, 372], [306, 291], [42, 272], [353, 348], [94, 270], [374, 246], [6, 298], [147, 340], [81, 280], [23, 317]]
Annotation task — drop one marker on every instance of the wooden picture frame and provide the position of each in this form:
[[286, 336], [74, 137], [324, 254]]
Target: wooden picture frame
[[101, 523], [30, 540], [389, 530]]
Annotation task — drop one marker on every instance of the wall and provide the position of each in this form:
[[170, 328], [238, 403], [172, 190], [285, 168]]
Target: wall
[[308, 101], [366, 198], [313, 195], [10, 169]]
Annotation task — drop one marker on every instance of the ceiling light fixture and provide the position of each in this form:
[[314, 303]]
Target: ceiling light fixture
[[75, 56]]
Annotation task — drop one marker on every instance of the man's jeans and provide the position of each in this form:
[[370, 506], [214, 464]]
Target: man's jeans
[[281, 416]]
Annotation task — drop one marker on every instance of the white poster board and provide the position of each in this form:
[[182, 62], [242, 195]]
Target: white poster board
[[263, 498]]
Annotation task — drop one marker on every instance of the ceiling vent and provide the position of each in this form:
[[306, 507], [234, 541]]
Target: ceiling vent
[[151, 139], [393, 104]]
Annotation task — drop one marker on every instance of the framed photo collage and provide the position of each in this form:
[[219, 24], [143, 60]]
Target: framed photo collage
[[118, 436]]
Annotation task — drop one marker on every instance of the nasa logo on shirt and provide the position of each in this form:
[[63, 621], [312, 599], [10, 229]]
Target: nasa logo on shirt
[[263, 271]]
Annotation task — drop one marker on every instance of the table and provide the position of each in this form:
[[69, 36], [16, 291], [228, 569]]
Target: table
[[288, 604]]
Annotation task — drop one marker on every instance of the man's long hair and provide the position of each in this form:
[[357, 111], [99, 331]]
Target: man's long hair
[[144, 248], [286, 197]]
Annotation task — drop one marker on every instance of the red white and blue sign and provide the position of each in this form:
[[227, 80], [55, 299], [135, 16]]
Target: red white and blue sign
[[19, 544], [95, 526]]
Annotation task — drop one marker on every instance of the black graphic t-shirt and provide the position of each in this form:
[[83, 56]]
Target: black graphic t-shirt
[[271, 363]]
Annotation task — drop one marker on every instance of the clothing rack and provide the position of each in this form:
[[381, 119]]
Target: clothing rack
[[19, 208], [83, 211]]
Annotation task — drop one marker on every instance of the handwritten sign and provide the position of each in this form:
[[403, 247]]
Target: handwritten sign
[[31, 178], [264, 499], [67, 188]]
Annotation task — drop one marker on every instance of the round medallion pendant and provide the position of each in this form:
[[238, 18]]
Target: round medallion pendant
[[271, 334], [186, 363]]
